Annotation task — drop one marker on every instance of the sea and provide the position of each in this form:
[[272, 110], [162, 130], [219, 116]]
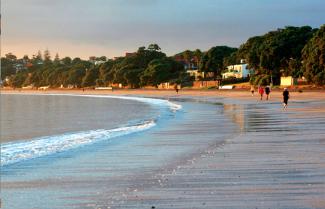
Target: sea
[[67, 151]]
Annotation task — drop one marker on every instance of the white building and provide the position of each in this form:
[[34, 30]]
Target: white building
[[237, 71], [99, 62], [196, 73]]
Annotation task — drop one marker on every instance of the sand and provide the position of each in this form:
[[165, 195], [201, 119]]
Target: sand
[[275, 160], [234, 94]]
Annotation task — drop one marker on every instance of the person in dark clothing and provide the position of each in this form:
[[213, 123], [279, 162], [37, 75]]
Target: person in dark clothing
[[285, 98], [267, 92], [176, 88]]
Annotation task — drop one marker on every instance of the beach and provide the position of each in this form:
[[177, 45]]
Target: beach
[[223, 149], [276, 95]]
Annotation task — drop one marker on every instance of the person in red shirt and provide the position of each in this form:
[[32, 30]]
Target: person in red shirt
[[261, 91]]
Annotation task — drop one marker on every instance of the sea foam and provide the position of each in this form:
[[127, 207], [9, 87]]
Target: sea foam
[[14, 152]]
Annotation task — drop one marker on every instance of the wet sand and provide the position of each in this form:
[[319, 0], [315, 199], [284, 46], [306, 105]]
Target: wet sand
[[277, 161], [274, 158], [275, 96]]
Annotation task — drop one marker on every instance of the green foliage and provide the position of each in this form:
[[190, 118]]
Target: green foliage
[[213, 60], [66, 61], [7, 67], [234, 81], [313, 57], [154, 47], [17, 81], [190, 57], [132, 77], [161, 70], [292, 51], [47, 57], [75, 76], [277, 51], [260, 80], [89, 80], [105, 73]]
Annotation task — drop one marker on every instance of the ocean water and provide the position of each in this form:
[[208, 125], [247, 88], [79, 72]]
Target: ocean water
[[82, 119], [30, 116], [86, 164]]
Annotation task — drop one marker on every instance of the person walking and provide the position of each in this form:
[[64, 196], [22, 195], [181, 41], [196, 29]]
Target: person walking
[[176, 88], [267, 92], [285, 98], [252, 90], [261, 91]]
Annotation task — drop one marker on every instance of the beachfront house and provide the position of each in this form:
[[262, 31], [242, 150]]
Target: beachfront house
[[196, 74], [237, 71]]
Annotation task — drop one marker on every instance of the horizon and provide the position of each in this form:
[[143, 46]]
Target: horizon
[[112, 28]]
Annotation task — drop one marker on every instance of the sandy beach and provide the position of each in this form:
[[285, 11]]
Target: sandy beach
[[275, 95], [260, 157]]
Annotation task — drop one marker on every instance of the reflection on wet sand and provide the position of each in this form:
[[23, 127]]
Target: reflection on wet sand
[[277, 161]]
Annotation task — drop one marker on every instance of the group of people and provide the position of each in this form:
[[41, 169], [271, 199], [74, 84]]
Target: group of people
[[267, 91]]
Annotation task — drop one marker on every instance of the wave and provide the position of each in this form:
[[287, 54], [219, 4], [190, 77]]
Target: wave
[[160, 102], [14, 152]]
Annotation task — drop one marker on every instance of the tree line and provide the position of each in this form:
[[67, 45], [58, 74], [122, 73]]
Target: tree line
[[148, 66], [290, 51]]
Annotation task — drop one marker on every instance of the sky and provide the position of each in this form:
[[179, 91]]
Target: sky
[[83, 28]]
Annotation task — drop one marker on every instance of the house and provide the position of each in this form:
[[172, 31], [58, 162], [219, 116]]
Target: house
[[237, 71], [19, 67], [99, 62], [96, 60], [130, 54], [196, 74], [21, 64], [191, 66], [188, 64]]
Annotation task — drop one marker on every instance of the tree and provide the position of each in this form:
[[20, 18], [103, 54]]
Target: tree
[[67, 61], [11, 57], [161, 70], [39, 55], [132, 77], [18, 80], [47, 56], [276, 51], [90, 77], [213, 60], [75, 76], [37, 59], [102, 58], [7, 67], [56, 59], [313, 58], [187, 55], [76, 60], [154, 47], [198, 54], [26, 58], [105, 72]]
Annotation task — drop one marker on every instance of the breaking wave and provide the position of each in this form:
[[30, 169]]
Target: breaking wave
[[14, 152]]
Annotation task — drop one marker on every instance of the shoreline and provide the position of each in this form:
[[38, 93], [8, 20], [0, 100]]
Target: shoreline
[[273, 160], [238, 94]]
